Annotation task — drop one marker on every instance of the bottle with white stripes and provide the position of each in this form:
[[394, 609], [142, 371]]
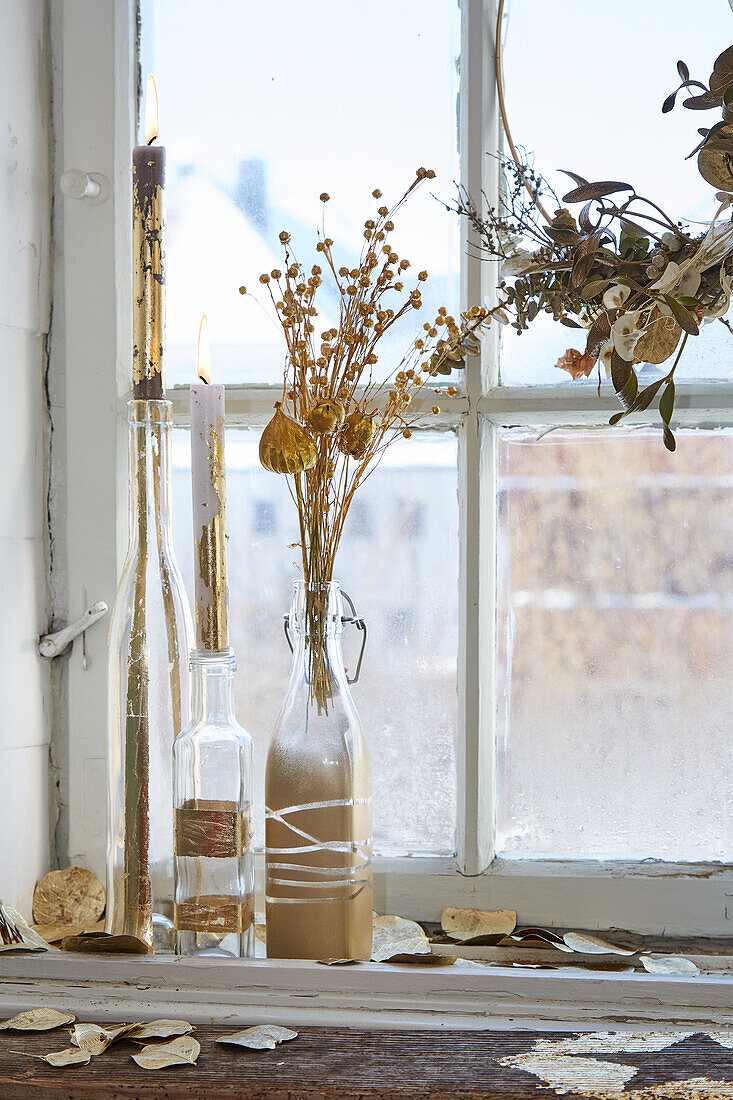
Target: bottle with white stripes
[[318, 795]]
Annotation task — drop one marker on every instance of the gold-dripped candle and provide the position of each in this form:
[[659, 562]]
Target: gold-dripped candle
[[148, 251], [209, 504]]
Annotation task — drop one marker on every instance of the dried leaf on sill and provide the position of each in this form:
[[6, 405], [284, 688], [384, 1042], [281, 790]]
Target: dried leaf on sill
[[17, 935], [96, 1039], [471, 924], [338, 962], [37, 1019], [534, 937], [74, 896], [395, 939], [54, 933], [668, 964], [181, 1051], [261, 1037], [72, 1056], [592, 945], [101, 942], [159, 1029]]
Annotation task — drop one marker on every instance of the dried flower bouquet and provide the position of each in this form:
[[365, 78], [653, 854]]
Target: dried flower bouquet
[[638, 282], [335, 420]]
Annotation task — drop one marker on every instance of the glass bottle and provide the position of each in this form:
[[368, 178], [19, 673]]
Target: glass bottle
[[212, 776], [318, 794], [148, 685]]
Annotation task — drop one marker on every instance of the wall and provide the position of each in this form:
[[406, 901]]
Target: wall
[[25, 213]]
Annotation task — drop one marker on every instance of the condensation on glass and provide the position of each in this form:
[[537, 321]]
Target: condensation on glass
[[213, 826], [620, 136], [240, 169], [399, 562], [615, 663]]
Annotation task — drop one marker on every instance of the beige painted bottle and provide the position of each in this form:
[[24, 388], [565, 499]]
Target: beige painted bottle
[[318, 794]]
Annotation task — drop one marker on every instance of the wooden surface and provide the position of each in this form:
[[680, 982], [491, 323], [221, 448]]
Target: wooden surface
[[332, 1062]]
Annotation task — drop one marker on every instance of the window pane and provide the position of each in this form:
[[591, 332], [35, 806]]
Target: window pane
[[613, 130], [616, 634], [399, 563], [265, 106]]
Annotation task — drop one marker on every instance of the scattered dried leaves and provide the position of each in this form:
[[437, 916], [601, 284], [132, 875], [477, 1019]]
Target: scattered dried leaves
[[668, 964], [72, 1056], [159, 1029], [74, 896], [468, 924], [37, 1019], [179, 1052], [101, 943], [262, 1037], [592, 945], [91, 1038], [395, 939]]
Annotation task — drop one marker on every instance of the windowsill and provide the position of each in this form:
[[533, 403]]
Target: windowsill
[[366, 995]]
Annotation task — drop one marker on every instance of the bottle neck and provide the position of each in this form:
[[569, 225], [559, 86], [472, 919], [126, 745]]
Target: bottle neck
[[150, 428], [212, 684], [316, 627]]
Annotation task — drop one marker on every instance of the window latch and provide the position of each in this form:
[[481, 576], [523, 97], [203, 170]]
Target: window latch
[[52, 645]]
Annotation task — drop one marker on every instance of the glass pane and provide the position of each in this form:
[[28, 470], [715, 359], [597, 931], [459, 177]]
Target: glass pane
[[399, 563], [265, 106], [616, 633], [612, 130]]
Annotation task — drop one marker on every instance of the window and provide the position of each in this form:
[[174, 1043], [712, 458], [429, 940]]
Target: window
[[549, 603]]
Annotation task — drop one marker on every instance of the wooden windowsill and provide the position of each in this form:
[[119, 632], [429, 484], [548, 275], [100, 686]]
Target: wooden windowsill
[[366, 995]]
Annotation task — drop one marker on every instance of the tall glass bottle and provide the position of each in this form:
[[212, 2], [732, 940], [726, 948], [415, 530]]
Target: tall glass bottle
[[148, 685], [212, 775], [318, 794]]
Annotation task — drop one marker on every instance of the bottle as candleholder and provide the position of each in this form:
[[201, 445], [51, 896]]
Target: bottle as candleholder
[[214, 861], [150, 637]]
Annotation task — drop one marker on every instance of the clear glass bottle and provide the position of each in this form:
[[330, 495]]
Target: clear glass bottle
[[148, 685], [318, 794], [212, 775]]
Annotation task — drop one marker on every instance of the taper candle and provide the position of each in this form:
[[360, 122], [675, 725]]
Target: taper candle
[[209, 504], [148, 248]]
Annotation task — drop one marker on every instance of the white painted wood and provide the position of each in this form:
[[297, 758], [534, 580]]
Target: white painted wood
[[94, 50], [476, 486], [372, 995], [25, 225], [648, 898], [24, 823]]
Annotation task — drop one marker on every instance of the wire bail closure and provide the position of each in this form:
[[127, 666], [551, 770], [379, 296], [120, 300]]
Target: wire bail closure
[[353, 619]]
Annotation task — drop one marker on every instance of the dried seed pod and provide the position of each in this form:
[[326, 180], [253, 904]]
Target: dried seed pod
[[326, 416], [356, 434], [285, 446]]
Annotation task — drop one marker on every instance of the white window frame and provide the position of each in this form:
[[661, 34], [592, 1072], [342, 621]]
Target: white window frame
[[95, 70]]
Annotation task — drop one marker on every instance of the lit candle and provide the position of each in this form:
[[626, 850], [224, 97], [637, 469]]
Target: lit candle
[[148, 255], [209, 504]]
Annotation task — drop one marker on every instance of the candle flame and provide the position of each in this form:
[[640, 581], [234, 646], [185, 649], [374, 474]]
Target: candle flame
[[151, 112], [203, 354]]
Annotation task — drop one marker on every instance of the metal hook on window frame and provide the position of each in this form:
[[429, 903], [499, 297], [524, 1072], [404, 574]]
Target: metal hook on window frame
[[355, 620]]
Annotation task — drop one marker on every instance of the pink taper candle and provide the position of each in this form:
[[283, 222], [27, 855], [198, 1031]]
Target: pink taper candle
[[209, 505]]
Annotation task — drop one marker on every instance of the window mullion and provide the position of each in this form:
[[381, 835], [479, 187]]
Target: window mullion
[[476, 482]]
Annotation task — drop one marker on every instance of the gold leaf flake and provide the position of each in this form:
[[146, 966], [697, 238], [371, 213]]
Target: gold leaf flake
[[73, 896], [668, 964], [262, 1037], [179, 1052], [72, 1056], [466, 924], [160, 1029], [38, 1019], [95, 942], [584, 1076], [395, 939], [592, 945]]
